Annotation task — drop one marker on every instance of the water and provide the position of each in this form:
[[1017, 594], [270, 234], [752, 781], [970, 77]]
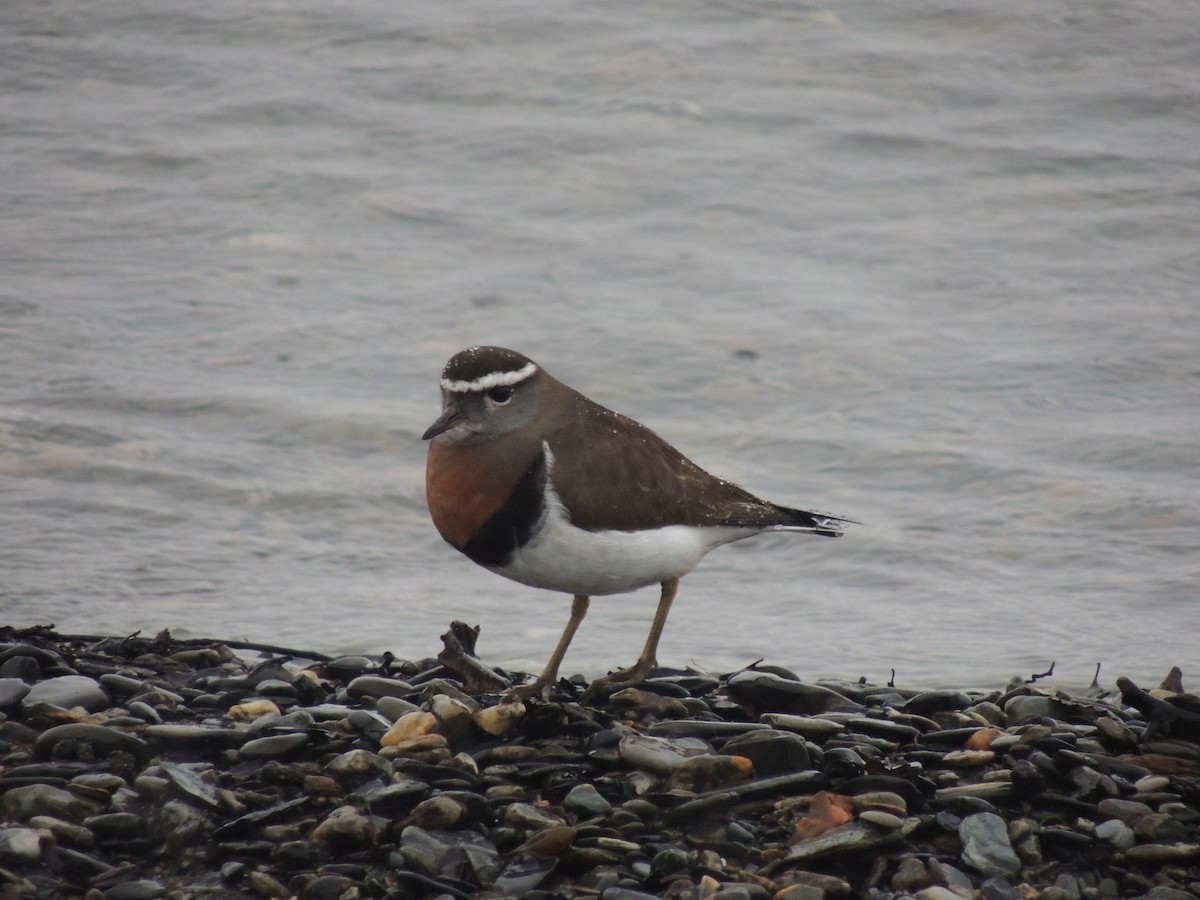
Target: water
[[931, 266]]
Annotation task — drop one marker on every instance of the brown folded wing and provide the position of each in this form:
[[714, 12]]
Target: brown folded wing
[[627, 478]]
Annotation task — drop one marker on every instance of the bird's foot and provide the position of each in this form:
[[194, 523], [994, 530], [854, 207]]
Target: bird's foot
[[538, 689], [602, 687]]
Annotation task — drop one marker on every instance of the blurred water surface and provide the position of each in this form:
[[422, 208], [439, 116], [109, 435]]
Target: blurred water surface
[[932, 266]]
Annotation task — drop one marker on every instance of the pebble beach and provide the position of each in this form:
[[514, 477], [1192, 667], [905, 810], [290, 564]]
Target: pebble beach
[[140, 767]]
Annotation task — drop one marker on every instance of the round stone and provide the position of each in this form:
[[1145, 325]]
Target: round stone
[[19, 846], [23, 803], [273, 747], [986, 847], [584, 800], [12, 692], [68, 692]]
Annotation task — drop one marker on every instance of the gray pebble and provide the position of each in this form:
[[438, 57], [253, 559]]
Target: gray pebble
[[1028, 706], [377, 686], [67, 692], [1128, 811], [196, 736], [392, 708], [986, 847], [115, 826], [143, 889], [423, 849], [180, 824], [880, 818], [276, 746], [144, 711], [585, 801], [64, 832], [12, 692], [772, 752], [1116, 833], [99, 739], [659, 754], [394, 799], [23, 803], [189, 780], [20, 846]]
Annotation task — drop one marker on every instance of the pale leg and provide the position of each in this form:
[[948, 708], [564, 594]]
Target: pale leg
[[649, 658], [545, 681]]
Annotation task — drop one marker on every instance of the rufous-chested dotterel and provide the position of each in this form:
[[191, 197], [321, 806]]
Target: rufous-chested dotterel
[[534, 481]]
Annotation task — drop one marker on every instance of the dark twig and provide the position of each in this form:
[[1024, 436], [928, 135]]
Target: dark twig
[[1033, 678]]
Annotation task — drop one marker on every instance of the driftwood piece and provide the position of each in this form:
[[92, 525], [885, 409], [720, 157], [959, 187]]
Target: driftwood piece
[[459, 657], [1168, 719]]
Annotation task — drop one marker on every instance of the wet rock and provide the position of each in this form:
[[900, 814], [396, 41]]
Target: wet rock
[[253, 709], [189, 781], [660, 754], [1116, 833], [986, 846], [118, 826], [329, 887], [12, 692], [64, 832], [358, 764], [524, 874], [815, 729], [772, 752], [998, 888], [67, 692], [1128, 811], [23, 803], [684, 786], [77, 740], [438, 852], [439, 812], [705, 729], [395, 799], [178, 824], [139, 889], [526, 816], [500, 719], [1164, 853], [345, 828], [647, 703], [392, 708], [275, 746], [882, 819], [587, 802], [20, 846], [968, 759], [266, 885], [768, 692], [198, 737], [376, 686], [704, 773], [937, 892], [410, 726], [929, 703], [854, 837]]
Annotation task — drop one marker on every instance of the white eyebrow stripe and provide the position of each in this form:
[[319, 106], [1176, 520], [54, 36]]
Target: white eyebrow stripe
[[490, 380]]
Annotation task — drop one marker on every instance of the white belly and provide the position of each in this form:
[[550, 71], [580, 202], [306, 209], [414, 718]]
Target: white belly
[[565, 558]]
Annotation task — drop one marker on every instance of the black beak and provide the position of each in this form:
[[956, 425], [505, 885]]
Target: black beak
[[448, 417]]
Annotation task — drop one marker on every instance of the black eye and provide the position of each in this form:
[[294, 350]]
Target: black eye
[[500, 394]]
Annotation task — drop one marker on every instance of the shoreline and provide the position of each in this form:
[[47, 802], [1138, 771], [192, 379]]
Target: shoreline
[[142, 767]]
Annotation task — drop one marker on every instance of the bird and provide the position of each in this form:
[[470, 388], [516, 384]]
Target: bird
[[534, 481]]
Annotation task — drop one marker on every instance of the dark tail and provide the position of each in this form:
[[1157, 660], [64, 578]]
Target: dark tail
[[812, 522]]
